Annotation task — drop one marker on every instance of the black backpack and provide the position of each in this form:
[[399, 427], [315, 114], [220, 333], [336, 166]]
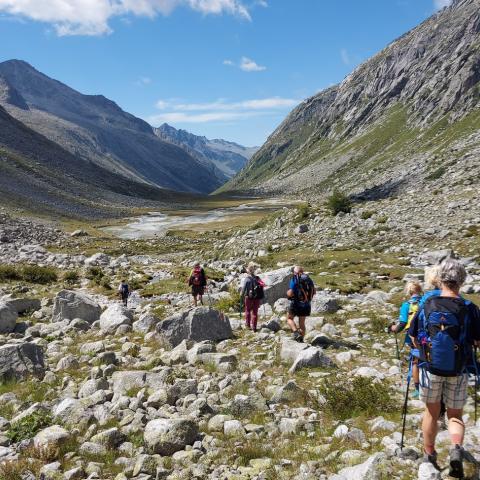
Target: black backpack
[[305, 288], [124, 290], [254, 290]]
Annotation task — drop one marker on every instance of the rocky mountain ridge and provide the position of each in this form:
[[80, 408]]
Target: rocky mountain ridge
[[401, 110], [96, 129], [227, 157]]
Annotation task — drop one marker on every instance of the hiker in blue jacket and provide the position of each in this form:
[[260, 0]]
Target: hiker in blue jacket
[[300, 293], [445, 332], [408, 310]]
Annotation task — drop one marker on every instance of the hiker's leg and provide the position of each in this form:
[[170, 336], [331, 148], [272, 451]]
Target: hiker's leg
[[248, 310], [201, 299], [195, 299], [455, 396], [456, 427], [291, 322], [301, 324], [255, 307], [429, 426]]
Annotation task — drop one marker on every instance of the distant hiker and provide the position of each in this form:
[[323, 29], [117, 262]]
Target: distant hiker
[[300, 294], [252, 295], [124, 292], [198, 282], [432, 284], [445, 332], [408, 310]]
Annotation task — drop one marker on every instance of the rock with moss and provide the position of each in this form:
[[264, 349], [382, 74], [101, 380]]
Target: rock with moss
[[69, 305], [197, 325], [19, 360], [167, 436]]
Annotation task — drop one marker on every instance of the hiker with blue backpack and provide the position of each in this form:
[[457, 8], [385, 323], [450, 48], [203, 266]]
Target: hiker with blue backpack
[[252, 296], [124, 292], [408, 310], [446, 333], [300, 293]]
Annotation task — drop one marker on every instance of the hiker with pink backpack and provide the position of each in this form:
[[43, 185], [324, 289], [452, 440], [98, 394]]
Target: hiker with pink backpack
[[198, 282]]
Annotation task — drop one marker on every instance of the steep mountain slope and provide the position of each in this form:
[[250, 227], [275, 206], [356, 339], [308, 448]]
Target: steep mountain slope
[[228, 158], [408, 114], [95, 128], [40, 176]]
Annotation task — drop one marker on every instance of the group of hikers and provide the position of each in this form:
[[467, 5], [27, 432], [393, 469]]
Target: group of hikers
[[300, 294], [442, 333]]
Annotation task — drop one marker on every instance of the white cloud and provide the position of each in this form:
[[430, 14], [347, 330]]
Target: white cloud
[[143, 81], [219, 110], [91, 17], [246, 64], [439, 4], [345, 56]]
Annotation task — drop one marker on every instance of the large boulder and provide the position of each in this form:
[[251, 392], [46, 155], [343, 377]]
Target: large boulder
[[22, 305], [276, 284], [70, 305], [324, 304], [197, 325], [167, 436], [146, 323], [435, 257], [8, 318], [311, 357], [115, 316], [51, 437], [17, 361]]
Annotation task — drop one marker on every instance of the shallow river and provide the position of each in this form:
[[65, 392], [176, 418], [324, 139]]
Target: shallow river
[[156, 223]]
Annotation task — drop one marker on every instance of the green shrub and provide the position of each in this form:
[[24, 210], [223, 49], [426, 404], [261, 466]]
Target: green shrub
[[233, 302], [95, 274], [383, 219], [436, 174], [105, 283], [9, 272], [351, 397], [36, 274], [71, 278], [366, 214], [339, 202], [303, 211], [29, 426]]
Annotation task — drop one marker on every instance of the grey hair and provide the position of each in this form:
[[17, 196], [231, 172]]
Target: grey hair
[[297, 269], [251, 268], [452, 273]]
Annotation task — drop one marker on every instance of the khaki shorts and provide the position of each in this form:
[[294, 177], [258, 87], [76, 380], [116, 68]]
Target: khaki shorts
[[453, 390]]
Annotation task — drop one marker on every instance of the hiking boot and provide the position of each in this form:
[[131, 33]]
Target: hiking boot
[[431, 458], [415, 394], [456, 462], [297, 336]]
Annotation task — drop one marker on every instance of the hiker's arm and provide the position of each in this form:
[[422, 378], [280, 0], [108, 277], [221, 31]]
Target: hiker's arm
[[402, 320]]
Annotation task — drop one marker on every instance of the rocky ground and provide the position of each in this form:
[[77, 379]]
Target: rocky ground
[[92, 390]]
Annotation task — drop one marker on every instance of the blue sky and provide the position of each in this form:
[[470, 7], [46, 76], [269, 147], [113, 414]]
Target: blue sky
[[228, 69]]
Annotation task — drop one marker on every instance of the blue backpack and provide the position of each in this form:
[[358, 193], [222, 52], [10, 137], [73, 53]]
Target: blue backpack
[[444, 336]]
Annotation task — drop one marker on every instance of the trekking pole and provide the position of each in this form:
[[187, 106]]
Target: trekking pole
[[475, 352], [396, 346], [405, 405]]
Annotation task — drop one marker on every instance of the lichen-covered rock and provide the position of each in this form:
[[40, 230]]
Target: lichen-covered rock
[[19, 360], [70, 305], [197, 325], [167, 436]]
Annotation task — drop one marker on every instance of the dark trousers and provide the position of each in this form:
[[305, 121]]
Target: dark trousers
[[251, 312]]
